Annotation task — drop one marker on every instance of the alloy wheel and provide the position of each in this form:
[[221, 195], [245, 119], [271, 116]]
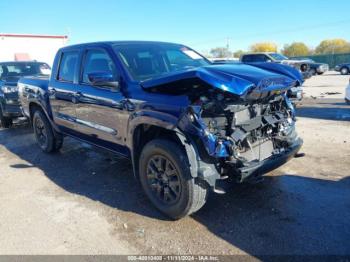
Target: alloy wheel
[[163, 179], [40, 132]]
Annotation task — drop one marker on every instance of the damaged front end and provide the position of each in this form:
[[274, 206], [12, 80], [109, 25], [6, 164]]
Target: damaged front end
[[243, 134], [244, 140]]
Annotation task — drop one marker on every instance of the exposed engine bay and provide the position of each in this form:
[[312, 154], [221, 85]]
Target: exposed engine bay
[[244, 133], [246, 124], [238, 132]]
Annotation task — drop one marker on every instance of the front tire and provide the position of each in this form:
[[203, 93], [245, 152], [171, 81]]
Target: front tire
[[344, 71], [166, 179], [44, 134], [5, 122]]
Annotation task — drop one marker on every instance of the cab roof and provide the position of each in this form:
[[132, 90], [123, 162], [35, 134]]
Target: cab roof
[[112, 43]]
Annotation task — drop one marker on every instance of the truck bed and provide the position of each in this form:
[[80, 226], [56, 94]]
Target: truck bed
[[37, 81], [30, 88]]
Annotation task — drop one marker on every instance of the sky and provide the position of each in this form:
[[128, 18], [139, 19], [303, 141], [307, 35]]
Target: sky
[[200, 24]]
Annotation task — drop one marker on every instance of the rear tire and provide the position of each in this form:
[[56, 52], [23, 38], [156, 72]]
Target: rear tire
[[45, 136], [166, 179], [344, 71], [5, 122]]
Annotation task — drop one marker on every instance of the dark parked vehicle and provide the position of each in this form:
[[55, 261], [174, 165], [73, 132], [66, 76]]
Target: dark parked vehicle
[[344, 69], [10, 73], [315, 68], [188, 126], [302, 66]]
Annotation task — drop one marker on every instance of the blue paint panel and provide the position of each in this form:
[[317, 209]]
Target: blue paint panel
[[237, 79]]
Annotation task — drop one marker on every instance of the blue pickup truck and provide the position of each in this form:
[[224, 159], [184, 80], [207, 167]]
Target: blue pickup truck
[[188, 126]]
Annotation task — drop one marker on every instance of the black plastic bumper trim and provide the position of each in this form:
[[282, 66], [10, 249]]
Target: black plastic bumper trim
[[269, 164]]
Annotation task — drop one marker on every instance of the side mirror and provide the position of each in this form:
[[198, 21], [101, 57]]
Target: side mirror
[[268, 60], [103, 79]]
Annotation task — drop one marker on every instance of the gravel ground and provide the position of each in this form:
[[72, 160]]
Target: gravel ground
[[84, 200], [319, 86]]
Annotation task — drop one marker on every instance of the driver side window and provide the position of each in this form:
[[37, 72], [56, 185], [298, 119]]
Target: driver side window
[[98, 61]]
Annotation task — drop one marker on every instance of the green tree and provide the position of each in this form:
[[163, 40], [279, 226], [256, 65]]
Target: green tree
[[296, 49], [333, 46], [238, 53], [220, 52], [264, 47]]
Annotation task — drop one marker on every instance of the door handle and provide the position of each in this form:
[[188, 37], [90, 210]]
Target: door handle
[[76, 97]]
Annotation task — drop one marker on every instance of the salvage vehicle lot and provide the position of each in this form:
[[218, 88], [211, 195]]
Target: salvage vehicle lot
[[84, 200]]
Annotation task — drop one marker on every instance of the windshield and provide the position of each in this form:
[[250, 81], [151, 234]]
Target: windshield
[[15, 70], [150, 60], [278, 57]]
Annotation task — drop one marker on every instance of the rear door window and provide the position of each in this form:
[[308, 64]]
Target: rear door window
[[68, 65]]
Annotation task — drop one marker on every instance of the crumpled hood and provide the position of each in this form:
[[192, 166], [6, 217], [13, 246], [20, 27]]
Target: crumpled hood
[[237, 79]]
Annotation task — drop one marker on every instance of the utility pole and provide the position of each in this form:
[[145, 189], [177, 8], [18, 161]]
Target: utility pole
[[227, 46]]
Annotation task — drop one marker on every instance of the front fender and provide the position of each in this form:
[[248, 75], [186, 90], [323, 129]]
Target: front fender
[[198, 168], [149, 117]]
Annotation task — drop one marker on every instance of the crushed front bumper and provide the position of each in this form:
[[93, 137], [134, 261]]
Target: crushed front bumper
[[258, 168]]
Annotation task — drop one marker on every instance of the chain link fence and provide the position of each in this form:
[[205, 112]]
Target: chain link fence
[[331, 59]]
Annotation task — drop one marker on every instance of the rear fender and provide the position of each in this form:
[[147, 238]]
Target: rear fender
[[46, 109]]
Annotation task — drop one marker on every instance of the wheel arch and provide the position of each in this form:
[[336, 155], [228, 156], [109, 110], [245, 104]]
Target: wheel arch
[[146, 131], [32, 105]]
